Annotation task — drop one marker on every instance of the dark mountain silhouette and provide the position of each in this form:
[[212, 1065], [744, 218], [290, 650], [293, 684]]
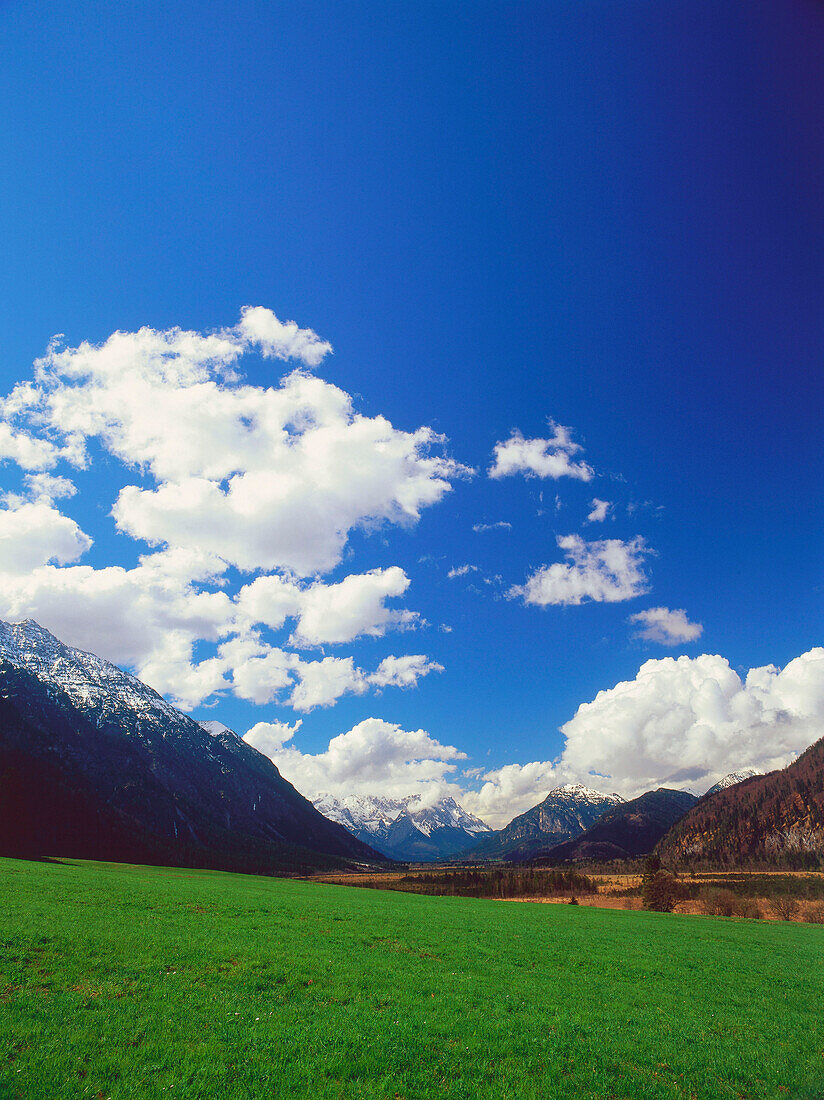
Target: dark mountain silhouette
[[629, 829], [95, 764], [566, 812], [776, 818]]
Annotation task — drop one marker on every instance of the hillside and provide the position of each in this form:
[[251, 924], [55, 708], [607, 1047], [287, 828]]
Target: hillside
[[94, 763], [629, 829], [776, 818], [566, 812]]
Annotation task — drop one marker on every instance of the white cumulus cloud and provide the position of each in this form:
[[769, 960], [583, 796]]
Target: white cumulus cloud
[[544, 458], [215, 474], [660, 624], [33, 534], [605, 571], [691, 720], [373, 758], [403, 672]]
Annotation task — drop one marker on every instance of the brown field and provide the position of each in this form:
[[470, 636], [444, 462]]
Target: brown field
[[622, 890]]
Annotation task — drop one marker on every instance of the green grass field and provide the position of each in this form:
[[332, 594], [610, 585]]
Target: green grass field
[[131, 982]]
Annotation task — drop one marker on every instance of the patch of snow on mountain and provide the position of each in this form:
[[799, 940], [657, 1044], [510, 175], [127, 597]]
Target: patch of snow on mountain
[[216, 728], [733, 778], [374, 816]]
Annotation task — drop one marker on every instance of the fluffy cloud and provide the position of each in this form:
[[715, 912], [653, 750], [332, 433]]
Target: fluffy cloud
[[403, 672], [687, 721], [30, 453], [279, 339], [264, 477], [659, 624], [373, 758], [600, 510], [270, 737], [540, 457], [605, 571], [511, 790], [323, 682], [329, 614], [356, 606], [33, 534], [268, 479], [48, 487]]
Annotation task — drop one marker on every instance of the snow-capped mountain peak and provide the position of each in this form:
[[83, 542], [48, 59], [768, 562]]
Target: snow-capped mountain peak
[[404, 828], [582, 793], [88, 680], [733, 778]]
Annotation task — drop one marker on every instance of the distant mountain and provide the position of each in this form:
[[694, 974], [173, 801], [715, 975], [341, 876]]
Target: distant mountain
[[566, 812], [396, 829], [629, 829], [776, 818], [94, 763], [733, 778]]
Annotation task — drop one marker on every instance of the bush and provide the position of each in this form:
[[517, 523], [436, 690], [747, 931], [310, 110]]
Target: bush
[[814, 913], [784, 907], [720, 903], [748, 907]]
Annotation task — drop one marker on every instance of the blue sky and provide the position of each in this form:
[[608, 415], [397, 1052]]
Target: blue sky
[[604, 215]]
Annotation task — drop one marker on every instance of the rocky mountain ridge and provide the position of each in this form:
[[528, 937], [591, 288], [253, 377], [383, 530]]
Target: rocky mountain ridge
[[628, 829], [133, 777], [566, 812], [399, 829]]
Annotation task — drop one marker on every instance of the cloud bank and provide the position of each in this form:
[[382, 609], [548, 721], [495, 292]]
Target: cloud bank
[[220, 479]]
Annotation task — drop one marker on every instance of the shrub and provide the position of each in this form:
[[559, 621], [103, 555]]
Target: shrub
[[814, 912], [748, 907], [784, 907], [720, 903]]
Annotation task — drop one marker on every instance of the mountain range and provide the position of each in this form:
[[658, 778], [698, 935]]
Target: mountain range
[[628, 829], [566, 812], [94, 763], [400, 830]]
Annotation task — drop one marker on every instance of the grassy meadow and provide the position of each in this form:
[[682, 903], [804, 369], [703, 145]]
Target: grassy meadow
[[130, 982]]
